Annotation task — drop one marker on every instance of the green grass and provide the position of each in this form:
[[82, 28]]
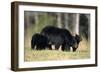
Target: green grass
[[45, 55]]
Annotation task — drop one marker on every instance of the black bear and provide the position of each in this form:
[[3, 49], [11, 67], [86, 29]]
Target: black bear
[[69, 40], [39, 42], [53, 35], [60, 37]]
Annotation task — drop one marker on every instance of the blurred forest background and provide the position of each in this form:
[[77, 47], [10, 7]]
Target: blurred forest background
[[76, 23]]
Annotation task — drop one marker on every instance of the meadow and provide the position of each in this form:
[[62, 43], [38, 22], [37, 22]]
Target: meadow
[[83, 52]]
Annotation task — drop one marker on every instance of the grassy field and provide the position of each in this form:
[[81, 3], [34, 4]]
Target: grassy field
[[83, 52], [44, 55]]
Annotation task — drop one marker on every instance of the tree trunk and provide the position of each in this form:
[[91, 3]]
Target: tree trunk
[[75, 23], [66, 18], [59, 20], [36, 20], [27, 14]]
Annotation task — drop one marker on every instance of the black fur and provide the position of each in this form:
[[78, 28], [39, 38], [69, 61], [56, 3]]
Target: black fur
[[40, 41], [60, 37]]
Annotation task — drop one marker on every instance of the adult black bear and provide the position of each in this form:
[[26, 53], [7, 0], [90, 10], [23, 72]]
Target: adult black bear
[[69, 40], [54, 36], [39, 42], [60, 37]]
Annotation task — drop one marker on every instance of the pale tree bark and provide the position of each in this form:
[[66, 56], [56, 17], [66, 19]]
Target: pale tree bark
[[26, 34], [36, 20], [27, 19], [36, 17], [59, 20], [75, 23], [66, 18]]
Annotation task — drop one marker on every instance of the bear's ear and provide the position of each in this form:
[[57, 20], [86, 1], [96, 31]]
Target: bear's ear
[[78, 37]]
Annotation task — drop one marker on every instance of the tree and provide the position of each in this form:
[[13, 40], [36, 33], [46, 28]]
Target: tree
[[59, 20], [66, 20], [74, 23], [36, 20]]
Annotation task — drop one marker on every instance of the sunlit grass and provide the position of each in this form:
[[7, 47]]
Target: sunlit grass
[[44, 55]]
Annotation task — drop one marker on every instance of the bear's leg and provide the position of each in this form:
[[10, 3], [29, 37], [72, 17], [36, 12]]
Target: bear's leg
[[67, 48], [49, 46], [63, 47], [32, 46], [57, 46], [40, 47], [74, 49]]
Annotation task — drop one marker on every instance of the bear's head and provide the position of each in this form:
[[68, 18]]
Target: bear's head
[[76, 39]]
